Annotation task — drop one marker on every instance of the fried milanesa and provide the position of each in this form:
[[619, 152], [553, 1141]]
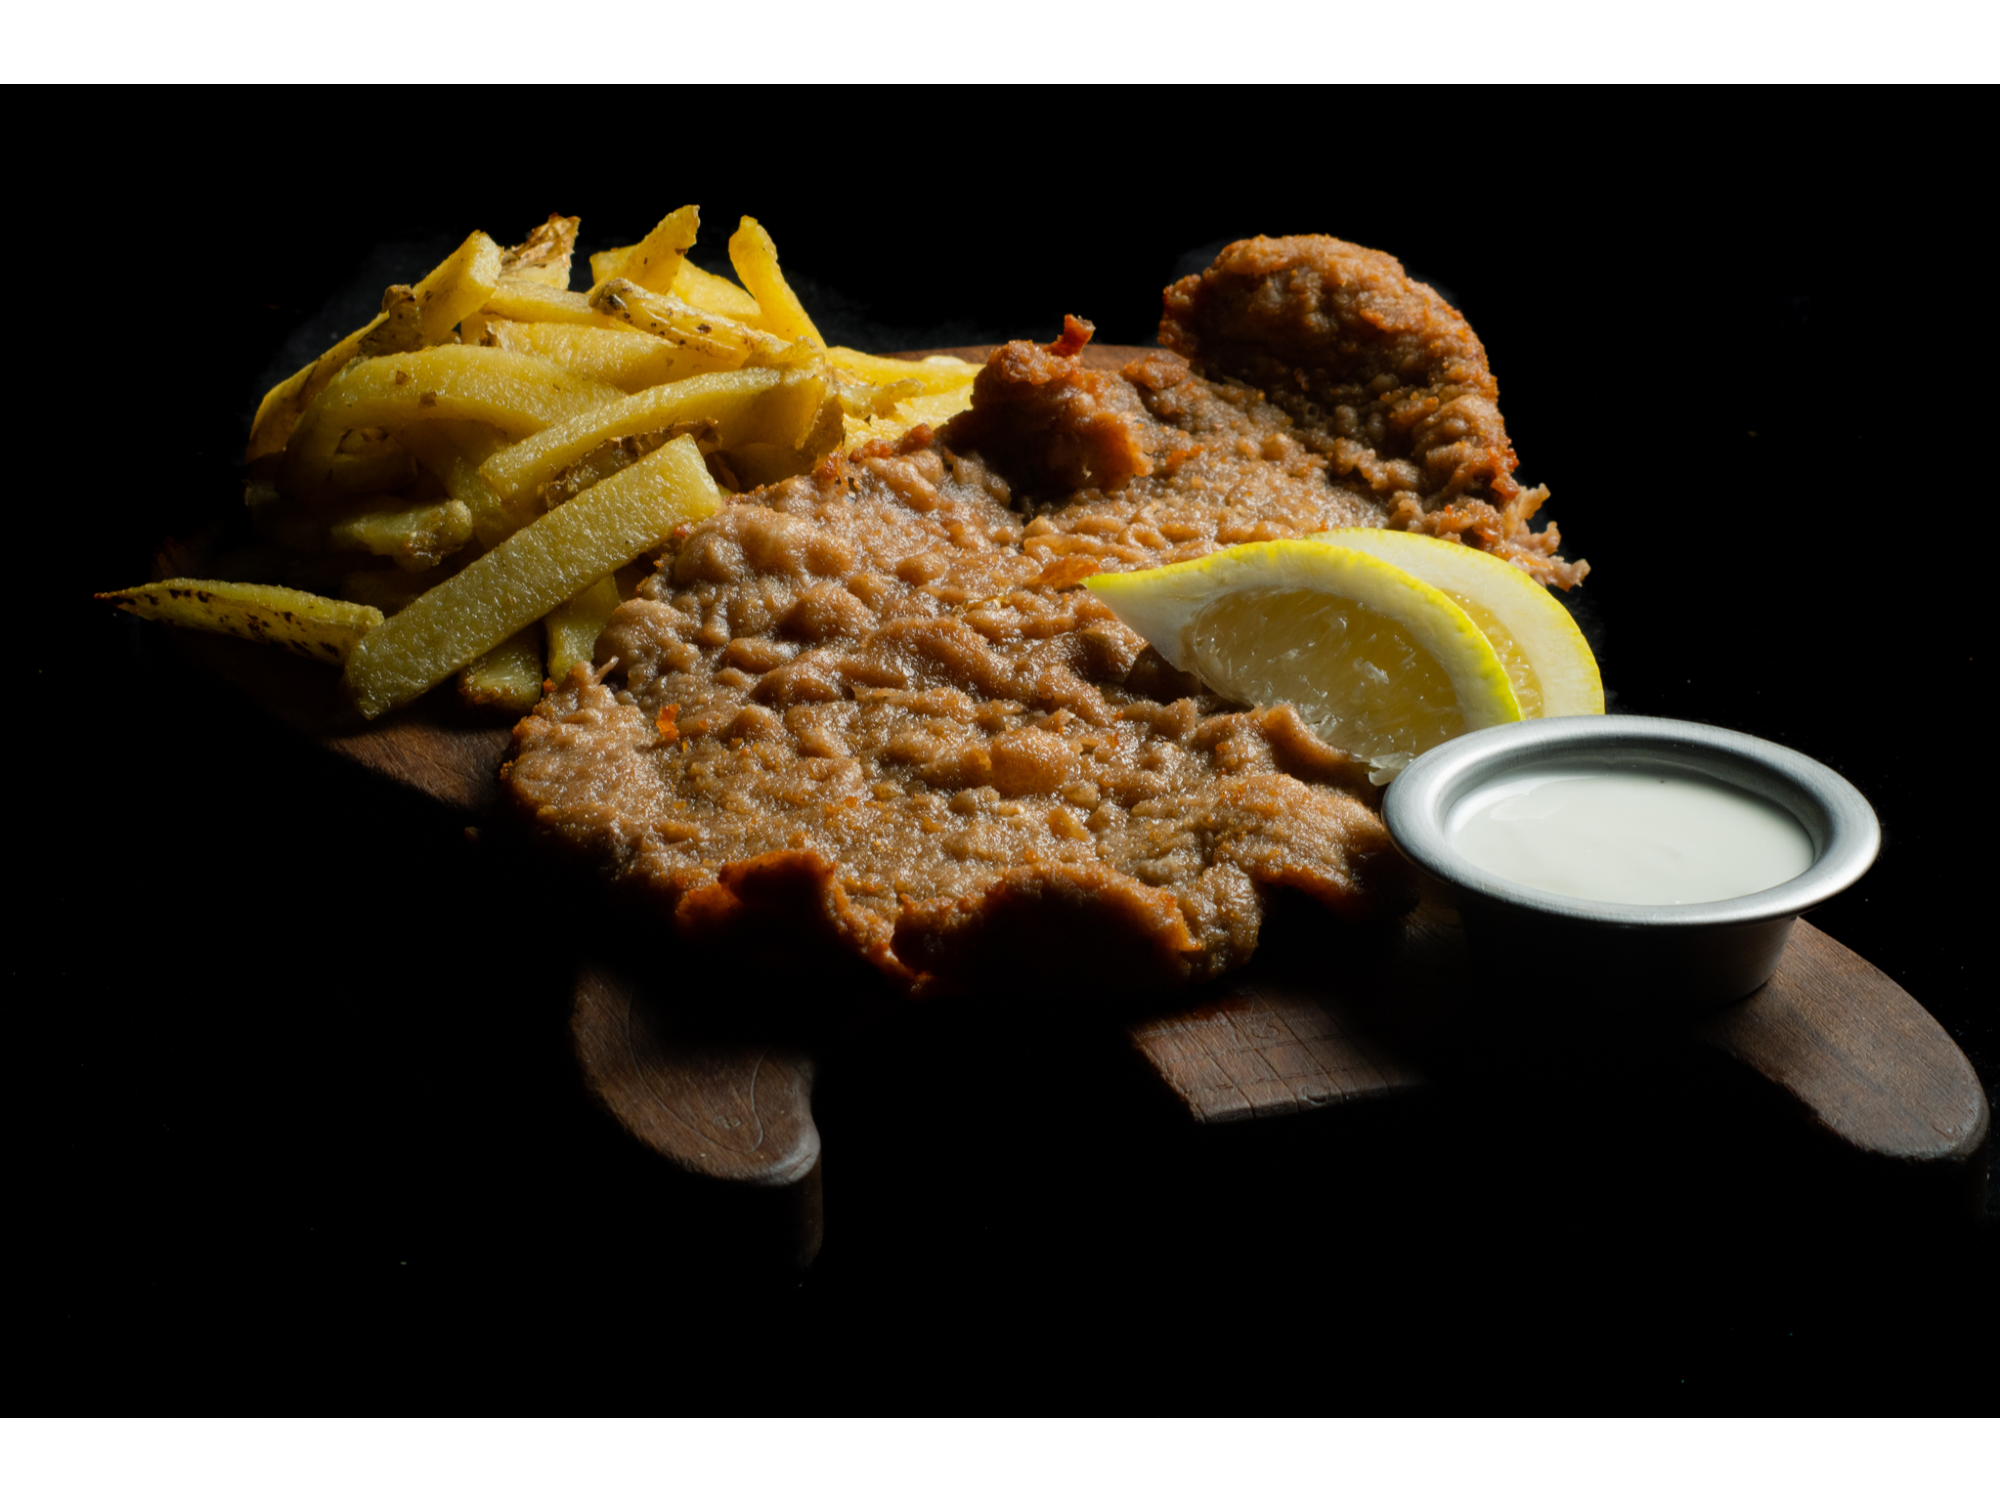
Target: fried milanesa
[[1382, 376], [871, 708]]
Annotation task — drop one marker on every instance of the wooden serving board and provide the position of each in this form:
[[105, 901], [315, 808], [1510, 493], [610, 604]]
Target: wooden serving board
[[1850, 1051]]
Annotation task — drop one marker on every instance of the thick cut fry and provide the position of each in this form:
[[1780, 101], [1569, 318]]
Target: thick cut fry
[[574, 627], [529, 574], [398, 328], [606, 264], [414, 537], [712, 293], [742, 405], [938, 373], [309, 624], [368, 461], [517, 393], [531, 302], [544, 256], [756, 260], [458, 287], [693, 285], [509, 676], [688, 327], [654, 262], [617, 356], [454, 451], [935, 409]]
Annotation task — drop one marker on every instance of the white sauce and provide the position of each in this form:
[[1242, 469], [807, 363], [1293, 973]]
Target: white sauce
[[1649, 838]]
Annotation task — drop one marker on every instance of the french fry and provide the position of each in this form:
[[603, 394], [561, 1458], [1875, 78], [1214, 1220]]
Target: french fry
[[617, 356], [324, 629], [693, 285], [414, 537], [721, 339], [936, 409], [397, 328], [400, 328], [517, 393], [656, 260], [938, 373], [539, 567], [780, 311], [574, 627], [532, 302], [564, 432], [733, 401], [507, 677], [459, 286], [453, 451], [712, 293], [438, 303], [368, 461], [544, 256]]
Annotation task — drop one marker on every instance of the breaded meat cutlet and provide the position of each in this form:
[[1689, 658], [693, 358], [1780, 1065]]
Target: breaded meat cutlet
[[871, 711]]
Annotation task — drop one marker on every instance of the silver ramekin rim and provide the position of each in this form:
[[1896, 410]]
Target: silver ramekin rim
[[1846, 836]]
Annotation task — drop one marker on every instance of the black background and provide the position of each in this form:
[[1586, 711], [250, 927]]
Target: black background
[[297, 1123]]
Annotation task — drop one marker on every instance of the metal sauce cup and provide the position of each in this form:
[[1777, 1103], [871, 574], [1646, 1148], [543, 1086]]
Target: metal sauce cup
[[1642, 959]]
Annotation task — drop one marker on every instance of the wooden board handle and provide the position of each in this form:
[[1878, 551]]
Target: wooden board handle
[[1867, 1064], [728, 1113]]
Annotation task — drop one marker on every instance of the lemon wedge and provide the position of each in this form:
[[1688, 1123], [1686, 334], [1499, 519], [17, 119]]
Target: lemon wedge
[[1548, 661], [1378, 662]]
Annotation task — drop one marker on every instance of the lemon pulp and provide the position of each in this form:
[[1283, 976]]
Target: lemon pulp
[[1547, 660], [1520, 669], [1358, 677], [1378, 662]]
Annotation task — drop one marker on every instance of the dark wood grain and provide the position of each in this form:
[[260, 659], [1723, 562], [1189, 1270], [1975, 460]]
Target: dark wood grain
[[733, 1114], [1867, 1064], [1266, 1046]]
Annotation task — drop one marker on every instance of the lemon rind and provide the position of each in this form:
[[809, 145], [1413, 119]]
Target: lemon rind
[[1556, 649], [1158, 603]]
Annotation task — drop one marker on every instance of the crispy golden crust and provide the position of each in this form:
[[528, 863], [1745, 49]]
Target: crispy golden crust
[[870, 712], [1380, 374]]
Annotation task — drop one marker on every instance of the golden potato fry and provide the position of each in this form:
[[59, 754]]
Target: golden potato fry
[[531, 302], [517, 393], [617, 356], [539, 567], [369, 461], [414, 537], [308, 624], [938, 373], [780, 311], [712, 293], [453, 451], [935, 409], [400, 329], [459, 286], [411, 317], [742, 405], [507, 677], [710, 334], [544, 256], [693, 285], [574, 627], [656, 260], [859, 399]]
